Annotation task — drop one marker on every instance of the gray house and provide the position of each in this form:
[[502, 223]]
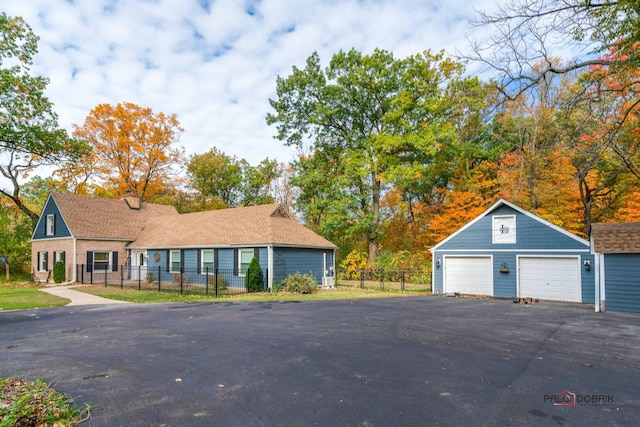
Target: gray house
[[508, 252], [616, 247], [129, 239]]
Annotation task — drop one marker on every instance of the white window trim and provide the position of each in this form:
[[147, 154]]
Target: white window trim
[[101, 270], [496, 237], [213, 261], [240, 251], [171, 253], [50, 226]]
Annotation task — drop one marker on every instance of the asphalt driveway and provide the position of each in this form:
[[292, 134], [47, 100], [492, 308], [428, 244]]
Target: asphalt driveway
[[404, 361]]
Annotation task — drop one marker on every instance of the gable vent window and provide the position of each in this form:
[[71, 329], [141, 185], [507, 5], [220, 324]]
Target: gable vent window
[[51, 225]]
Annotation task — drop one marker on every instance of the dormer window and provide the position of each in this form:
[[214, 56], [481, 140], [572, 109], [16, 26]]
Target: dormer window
[[51, 225]]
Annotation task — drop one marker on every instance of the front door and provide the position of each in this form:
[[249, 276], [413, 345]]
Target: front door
[[138, 265]]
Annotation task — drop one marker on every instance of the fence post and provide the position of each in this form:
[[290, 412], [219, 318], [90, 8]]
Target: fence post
[[159, 273], [82, 273], [206, 280], [91, 277], [121, 276], [381, 280], [362, 279], [216, 280], [106, 271], [181, 270], [402, 280], [139, 278]]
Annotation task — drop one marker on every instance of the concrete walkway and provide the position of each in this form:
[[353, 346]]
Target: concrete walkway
[[79, 298]]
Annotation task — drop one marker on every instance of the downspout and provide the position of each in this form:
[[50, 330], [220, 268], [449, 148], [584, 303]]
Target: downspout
[[324, 267], [601, 285], [270, 266], [74, 276], [596, 261]]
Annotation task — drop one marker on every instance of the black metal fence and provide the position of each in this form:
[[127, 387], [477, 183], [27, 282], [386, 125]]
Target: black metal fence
[[208, 282], [398, 279]]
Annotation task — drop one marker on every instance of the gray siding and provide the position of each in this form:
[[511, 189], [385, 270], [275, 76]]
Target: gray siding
[[61, 229], [622, 282]]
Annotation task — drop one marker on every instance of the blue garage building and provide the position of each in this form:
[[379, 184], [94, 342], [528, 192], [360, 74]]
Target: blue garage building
[[508, 252], [616, 247]]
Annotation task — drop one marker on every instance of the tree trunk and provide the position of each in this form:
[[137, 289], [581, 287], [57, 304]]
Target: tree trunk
[[375, 220]]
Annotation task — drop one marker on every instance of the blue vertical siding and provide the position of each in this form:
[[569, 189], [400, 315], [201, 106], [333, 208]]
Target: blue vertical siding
[[622, 282]]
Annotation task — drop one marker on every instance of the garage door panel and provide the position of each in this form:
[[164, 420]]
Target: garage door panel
[[468, 275], [550, 278]]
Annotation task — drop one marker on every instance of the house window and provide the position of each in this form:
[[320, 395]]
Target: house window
[[43, 261], [101, 261], [244, 259], [51, 225], [59, 256], [175, 261], [207, 261], [504, 229]]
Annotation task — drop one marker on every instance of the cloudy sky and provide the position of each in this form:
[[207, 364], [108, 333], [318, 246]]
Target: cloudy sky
[[214, 63]]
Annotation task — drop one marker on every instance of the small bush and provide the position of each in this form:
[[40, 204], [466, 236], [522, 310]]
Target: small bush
[[177, 276], [150, 278], [278, 287], [222, 283], [352, 264], [59, 274], [300, 284], [253, 281]]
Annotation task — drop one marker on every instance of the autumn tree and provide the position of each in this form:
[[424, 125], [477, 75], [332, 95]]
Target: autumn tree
[[604, 40], [364, 124], [133, 149], [220, 180], [29, 134], [529, 35], [603, 126], [15, 236]]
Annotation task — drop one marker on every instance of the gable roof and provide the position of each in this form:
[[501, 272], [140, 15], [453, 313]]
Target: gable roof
[[251, 225], [97, 218], [503, 202], [612, 238]]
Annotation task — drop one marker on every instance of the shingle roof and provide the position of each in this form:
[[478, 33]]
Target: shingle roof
[[252, 225], [623, 237], [97, 218]]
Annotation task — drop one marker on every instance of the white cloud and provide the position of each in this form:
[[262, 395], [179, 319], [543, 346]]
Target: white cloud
[[214, 63]]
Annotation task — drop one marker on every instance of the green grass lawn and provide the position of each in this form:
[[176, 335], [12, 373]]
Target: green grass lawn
[[21, 296], [147, 296], [15, 296]]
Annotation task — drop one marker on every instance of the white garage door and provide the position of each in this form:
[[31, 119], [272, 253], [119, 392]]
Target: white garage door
[[468, 275], [552, 278]]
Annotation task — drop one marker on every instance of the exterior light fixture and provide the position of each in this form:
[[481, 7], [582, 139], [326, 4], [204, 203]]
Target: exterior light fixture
[[587, 265]]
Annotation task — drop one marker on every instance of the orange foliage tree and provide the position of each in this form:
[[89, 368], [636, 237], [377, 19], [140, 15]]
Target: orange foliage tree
[[133, 150]]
